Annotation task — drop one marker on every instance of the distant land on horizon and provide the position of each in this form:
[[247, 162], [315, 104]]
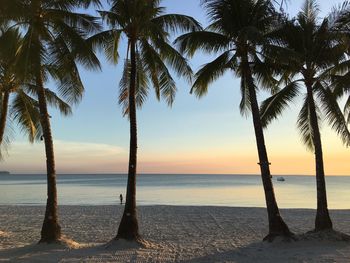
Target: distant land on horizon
[[173, 174]]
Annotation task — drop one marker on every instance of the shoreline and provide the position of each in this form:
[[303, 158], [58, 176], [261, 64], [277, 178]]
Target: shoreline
[[140, 174], [173, 206], [179, 233]]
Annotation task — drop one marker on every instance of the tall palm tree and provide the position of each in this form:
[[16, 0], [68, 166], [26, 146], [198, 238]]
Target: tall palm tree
[[237, 29], [147, 30], [306, 52], [53, 42]]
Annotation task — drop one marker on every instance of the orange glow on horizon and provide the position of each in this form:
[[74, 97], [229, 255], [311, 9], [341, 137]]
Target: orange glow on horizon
[[238, 159]]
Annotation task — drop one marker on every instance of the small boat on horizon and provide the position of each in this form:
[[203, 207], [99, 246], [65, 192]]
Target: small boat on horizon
[[280, 179], [4, 172]]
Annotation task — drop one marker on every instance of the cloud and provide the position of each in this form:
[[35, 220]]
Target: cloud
[[87, 150], [70, 157]]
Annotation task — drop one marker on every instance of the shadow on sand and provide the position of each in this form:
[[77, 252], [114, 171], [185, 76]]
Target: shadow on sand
[[280, 251], [294, 251], [48, 253]]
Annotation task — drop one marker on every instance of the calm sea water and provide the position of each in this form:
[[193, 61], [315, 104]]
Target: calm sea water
[[218, 190]]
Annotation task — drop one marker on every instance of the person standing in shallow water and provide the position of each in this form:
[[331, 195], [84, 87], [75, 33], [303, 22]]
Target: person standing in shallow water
[[121, 199]]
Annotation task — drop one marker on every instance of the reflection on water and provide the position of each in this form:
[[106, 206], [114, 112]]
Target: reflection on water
[[220, 190]]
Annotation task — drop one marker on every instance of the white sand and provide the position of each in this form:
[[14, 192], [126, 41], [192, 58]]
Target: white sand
[[174, 233]]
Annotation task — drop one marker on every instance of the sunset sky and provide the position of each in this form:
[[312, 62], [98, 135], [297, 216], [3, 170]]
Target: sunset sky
[[194, 136]]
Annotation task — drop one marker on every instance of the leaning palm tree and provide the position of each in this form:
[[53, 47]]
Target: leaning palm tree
[[147, 30], [53, 42], [237, 29], [307, 52]]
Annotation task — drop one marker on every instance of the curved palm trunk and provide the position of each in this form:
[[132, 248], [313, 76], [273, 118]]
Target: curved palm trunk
[[277, 227], [323, 220], [3, 116], [128, 228], [51, 230]]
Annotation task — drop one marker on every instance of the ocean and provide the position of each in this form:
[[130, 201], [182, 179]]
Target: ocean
[[173, 189]]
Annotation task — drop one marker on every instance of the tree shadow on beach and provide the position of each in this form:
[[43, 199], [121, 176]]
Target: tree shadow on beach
[[57, 253], [299, 251], [49, 253]]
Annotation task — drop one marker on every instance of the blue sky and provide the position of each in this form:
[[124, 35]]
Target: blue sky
[[194, 136]]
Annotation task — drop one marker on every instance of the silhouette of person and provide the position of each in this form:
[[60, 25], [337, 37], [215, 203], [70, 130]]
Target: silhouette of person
[[121, 199]]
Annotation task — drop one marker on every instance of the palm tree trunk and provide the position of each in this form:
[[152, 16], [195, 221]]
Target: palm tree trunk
[[3, 116], [277, 227], [51, 230], [323, 220], [128, 228]]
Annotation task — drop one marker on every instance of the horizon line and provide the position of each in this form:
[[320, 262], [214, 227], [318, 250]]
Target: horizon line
[[157, 173]]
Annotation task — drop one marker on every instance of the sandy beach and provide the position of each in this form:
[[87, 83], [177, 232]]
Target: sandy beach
[[175, 234]]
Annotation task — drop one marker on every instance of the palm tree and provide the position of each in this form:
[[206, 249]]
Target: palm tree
[[147, 30], [307, 52], [53, 42], [236, 30]]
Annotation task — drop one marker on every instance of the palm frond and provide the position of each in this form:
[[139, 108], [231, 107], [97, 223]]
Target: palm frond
[[142, 85], [309, 12], [304, 124], [202, 40], [64, 71], [71, 43], [109, 42], [347, 111], [55, 101], [172, 57], [333, 112], [24, 110], [273, 107], [339, 16], [158, 72], [210, 72], [71, 4], [52, 99], [245, 104], [86, 24], [6, 139], [114, 19], [265, 73], [175, 23], [340, 82]]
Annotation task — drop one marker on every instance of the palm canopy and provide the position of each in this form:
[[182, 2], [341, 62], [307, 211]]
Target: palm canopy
[[145, 24], [340, 17], [23, 107], [308, 52], [236, 31], [54, 41]]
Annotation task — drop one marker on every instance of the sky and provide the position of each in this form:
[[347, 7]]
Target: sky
[[206, 135]]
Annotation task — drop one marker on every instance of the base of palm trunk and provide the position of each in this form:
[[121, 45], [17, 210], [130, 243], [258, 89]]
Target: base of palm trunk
[[50, 232], [325, 235], [278, 228], [323, 221], [121, 244], [62, 243], [128, 228]]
